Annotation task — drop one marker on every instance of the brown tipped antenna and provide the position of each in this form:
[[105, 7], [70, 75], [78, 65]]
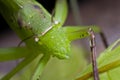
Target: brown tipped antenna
[[104, 39], [93, 54], [24, 40]]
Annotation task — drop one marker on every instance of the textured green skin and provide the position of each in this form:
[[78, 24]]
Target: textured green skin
[[29, 20], [56, 42], [34, 18]]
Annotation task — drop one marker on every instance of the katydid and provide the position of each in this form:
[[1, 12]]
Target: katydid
[[33, 24]]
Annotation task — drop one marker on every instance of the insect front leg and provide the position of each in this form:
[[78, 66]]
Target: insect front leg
[[61, 10]]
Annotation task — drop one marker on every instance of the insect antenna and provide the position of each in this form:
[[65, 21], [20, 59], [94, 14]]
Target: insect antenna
[[93, 54], [53, 14], [24, 40], [104, 39]]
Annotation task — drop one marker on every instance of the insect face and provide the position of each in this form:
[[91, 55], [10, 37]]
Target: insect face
[[56, 43]]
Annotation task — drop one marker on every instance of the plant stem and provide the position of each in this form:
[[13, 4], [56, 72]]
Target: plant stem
[[93, 54]]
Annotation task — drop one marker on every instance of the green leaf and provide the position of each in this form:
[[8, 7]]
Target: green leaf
[[108, 64]]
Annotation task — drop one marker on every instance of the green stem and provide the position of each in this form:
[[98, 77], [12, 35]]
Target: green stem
[[40, 67]]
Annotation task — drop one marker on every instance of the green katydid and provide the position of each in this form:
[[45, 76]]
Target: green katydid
[[30, 20]]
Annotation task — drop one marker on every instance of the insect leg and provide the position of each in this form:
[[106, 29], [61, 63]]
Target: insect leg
[[60, 11], [20, 66], [93, 54], [40, 67]]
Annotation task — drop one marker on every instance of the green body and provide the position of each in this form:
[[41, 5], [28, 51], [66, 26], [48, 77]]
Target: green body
[[30, 19]]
